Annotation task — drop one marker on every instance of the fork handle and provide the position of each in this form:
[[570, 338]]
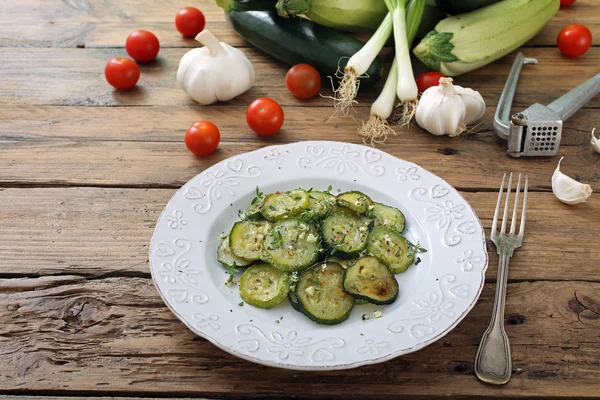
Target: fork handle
[[492, 363]]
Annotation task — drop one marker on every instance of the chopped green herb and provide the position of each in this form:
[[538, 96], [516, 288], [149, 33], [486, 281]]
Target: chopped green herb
[[340, 241], [418, 261], [416, 248], [241, 304], [365, 317], [328, 191]]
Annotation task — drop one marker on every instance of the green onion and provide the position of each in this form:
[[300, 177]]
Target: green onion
[[358, 64], [406, 90], [377, 129]]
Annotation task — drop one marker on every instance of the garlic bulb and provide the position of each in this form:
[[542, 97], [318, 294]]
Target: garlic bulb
[[474, 104], [217, 72], [567, 189], [595, 142], [441, 110]]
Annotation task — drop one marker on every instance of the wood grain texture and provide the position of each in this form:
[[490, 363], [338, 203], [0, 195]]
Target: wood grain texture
[[75, 77], [99, 232], [143, 147], [115, 335], [106, 23]]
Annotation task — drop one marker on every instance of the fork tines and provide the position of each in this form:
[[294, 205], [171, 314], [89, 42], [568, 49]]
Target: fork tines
[[513, 224]]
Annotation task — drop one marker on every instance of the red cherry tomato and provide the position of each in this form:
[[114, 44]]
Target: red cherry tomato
[[122, 73], [303, 80], [190, 21], [566, 3], [142, 45], [574, 40], [202, 138], [429, 79], [264, 116]]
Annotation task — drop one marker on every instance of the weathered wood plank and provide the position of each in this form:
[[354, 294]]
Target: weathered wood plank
[[75, 77], [42, 397], [168, 124], [115, 335], [98, 232], [106, 23], [58, 146]]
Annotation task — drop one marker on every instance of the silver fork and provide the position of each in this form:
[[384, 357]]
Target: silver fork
[[492, 363]]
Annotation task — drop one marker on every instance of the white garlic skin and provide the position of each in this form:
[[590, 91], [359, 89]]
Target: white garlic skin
[[474, 104], [595, 142], [441, 110], [567, 189], [216, 72]]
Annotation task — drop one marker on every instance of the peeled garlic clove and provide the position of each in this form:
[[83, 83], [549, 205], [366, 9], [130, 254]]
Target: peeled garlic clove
[[567, 189], [474, 104], [595, 142]]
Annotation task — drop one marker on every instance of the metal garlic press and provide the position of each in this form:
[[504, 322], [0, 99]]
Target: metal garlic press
[[537, 130]]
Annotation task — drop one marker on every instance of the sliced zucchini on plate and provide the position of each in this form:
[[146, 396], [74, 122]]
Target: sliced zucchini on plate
[[284, 204], [226, 257], [356, 201], [369, 279], [391, 248], [292, 245], [388, 217], [345, 236], [321, 295], [320, 202], [246, 239], [253, 212], [264, 286], [344, 263]]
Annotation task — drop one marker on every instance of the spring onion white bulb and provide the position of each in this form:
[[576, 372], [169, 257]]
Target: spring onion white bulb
[[567, 189], [377, 129], [406, 89], [358, 64]]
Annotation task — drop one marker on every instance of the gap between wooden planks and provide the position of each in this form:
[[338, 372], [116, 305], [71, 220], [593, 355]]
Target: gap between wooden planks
[[98, 232], [115, 335], [95, 23], [75, 77]]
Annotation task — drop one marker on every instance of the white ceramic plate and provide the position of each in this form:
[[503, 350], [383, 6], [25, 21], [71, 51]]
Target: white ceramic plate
[[434, 295]]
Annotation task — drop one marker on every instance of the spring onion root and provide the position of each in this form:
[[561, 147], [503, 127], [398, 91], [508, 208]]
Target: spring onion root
[[359, 63], [344, 96], [377, 129]]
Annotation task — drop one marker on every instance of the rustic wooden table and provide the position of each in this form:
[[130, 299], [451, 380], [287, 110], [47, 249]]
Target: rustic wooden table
[[85, 172]]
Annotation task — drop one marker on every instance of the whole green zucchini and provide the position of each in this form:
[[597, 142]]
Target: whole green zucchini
[[246, 5], [465, 42], [462, 6], [345, 15], [296, 41]]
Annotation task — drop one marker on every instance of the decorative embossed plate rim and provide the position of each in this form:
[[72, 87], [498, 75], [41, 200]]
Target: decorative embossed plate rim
[[435, 295]]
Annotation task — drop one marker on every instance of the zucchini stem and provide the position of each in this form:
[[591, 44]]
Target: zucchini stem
[[359, 63]]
